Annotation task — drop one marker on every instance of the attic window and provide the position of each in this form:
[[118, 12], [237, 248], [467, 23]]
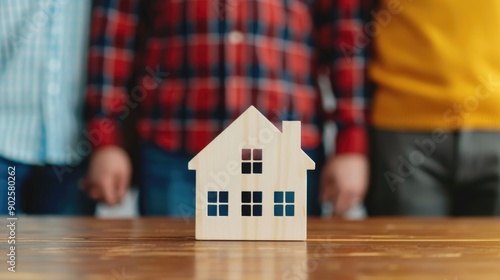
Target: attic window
[[251, 161]]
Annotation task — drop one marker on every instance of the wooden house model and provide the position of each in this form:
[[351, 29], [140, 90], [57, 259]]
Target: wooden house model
[[251, 182]]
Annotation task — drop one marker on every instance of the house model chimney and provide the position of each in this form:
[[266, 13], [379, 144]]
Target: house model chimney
[[291, 134]]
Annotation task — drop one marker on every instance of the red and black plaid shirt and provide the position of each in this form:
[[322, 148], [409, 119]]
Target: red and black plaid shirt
[[193, 66]]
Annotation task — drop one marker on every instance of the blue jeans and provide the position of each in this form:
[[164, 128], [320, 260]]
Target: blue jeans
[[167, 187], [46, 190]]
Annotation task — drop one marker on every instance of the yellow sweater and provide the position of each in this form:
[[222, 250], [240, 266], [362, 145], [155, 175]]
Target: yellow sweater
[[436, 64]]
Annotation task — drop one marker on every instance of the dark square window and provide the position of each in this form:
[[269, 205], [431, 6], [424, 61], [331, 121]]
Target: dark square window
[[212, 210], [278, 210], [246, 197], [257, 167], [257, 154], [257, 197], [212, 197], [257, 210], [246, 168], [223, 210], [246, 210], [278, 197], [223, 197], [251, 161], [246, 154], [284, 201]]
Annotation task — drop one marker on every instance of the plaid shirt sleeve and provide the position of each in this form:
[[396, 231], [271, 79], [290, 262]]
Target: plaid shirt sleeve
[[341, 46], [110, 59]]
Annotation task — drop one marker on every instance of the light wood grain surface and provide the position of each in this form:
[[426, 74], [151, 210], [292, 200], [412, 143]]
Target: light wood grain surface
[[147, 248], [283, 169]]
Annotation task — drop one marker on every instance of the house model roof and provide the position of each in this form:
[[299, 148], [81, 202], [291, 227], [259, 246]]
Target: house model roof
[[251, 115]]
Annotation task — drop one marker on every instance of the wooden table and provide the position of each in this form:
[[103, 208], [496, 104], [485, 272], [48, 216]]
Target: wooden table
[[147, 248]]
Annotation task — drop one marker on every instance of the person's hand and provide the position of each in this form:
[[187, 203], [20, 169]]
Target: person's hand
[[344, 181], [109, 175]]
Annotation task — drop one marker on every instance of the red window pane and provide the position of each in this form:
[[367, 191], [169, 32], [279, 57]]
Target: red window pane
[[257, 154], [245, 154]]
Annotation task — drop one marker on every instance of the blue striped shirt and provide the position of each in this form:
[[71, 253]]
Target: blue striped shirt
[[43, 46]]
